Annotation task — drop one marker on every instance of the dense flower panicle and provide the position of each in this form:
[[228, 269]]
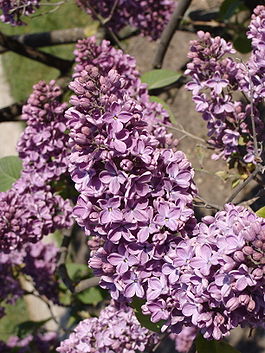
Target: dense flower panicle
[[40, 263], [115, 330], [13, 10], [37, 261], [135, 193], [28, 213], [38, 343], [148, 16], [256, 65], [215, 80], [43, 146], [215, 280], [104, 74]]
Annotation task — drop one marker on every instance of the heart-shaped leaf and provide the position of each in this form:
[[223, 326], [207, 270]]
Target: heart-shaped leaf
[[160, 78], [10, 169]]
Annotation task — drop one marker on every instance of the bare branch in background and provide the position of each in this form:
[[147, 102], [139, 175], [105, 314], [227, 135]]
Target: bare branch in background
[[169, 31], [61, 267], [240, 187], [45, 39], [103, 22], [87, 283], [50, 60], [11, 113]]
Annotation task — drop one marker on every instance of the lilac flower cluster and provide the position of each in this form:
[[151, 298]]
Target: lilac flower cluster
[[38, 343], [105, 61], [29, 213], [40, 263], [255, 83], [37, 261], [115, 330], [135, 193], [30, 209], [43, 146], [215, 280], [13, 10], [148, 16], [216, 78]]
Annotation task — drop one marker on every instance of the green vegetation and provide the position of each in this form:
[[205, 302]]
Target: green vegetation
[[15, 315], [21, 72]]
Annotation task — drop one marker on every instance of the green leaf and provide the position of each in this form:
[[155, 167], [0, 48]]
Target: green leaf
[[77, 272], [228, 8], [165, 106], [91, 296], [10, 169], [242, 44], [145, 320], [205, 346], [261, 212], [29, 327], [160, 78]]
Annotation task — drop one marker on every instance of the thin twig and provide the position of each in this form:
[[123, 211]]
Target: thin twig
[[173, 127], [61, 268], [86, 3], [240, 187], [50, 60], [111, 12], [87, 283], [11, 112], [37, 295], [207, 204], [169, 31], [45, 39], [256, 150]]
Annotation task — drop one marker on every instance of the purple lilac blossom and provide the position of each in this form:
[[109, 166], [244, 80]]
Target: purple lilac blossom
[[37, 261], [220, 276], [40, 263], [30, 209], [13, 10], [43, 145], [215, 79], [115, 330], [38, 343], [135, 192], [148, 16], [28, 213]]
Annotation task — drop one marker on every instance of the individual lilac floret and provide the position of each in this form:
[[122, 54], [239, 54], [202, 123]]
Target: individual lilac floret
[[28, 213], [115, 330], [13, 10], [220, 273], [43, 145], [149, 17], [216, 78], [135, 193]]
